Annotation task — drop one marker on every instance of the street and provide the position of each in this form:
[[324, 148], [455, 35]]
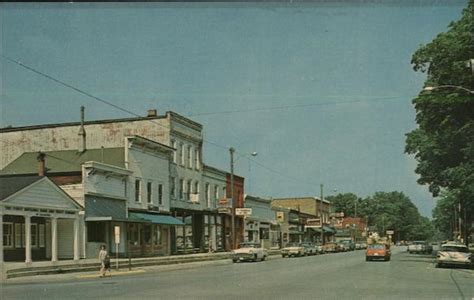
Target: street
[[331, 276]]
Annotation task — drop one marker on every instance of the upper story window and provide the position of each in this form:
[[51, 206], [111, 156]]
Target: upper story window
[[160, 194], [138, 192], [181, 154], [189, 161], [216, 192], [188, 190], [208, 195], [149, 191], [173, 187], [181, 189], [197, 162], [196, 187], [224, 192], [173, 144]]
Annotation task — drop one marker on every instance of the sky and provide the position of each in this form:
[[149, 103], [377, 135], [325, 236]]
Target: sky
[[322, 91]]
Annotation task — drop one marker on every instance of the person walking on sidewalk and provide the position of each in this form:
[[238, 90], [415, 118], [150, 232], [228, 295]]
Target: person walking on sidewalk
[[103, 257]]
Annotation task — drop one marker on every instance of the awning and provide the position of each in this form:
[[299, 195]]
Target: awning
[[295, 232], [155, 219], [328, 229]]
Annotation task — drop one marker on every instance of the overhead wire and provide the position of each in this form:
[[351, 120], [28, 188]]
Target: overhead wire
[[96, 98]]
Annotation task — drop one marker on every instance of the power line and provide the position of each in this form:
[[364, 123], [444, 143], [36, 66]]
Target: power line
[[137, 115]]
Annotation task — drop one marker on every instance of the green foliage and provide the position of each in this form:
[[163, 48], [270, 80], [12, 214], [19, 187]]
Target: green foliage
[[385, 211], [443, 143]]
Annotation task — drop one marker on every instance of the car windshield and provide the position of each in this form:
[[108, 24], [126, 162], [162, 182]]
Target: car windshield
[[377, 246], [419, 243], [455, 249]]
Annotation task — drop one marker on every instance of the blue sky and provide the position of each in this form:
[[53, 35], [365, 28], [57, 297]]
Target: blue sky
[[342, 72]]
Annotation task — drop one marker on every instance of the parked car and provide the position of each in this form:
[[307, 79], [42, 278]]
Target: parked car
[[420, 247], [293, 249], [309, 249], [330, 247], [471, 247], [453, 254], [348, 245], [249, 252], [377, 251], [320, 249]]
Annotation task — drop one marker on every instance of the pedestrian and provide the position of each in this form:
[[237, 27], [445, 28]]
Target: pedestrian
[[104, 260]]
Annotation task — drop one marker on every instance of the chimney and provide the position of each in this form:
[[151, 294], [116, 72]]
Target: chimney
[[82, 133], [42, 164], [152, 113]]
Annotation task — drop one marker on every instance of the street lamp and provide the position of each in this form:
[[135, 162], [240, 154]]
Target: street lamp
[[232, 229], [431, 88]]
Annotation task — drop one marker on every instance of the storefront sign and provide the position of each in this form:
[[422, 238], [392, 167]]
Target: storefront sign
[[243, 211], [117, 234], [223, 210]]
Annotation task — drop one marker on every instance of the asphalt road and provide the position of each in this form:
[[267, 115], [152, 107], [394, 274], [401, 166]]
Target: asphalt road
[[330, 276]]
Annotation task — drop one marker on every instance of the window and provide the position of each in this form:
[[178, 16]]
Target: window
[[95, 232], [125, 188], [149, 189], [188, 190], [34, 235], [157, 238], [224, 195], [19, 235], [181, 189], [181, 154], [8, 234], [138, 196], [173, 187], [196, 187], [134, 234], [216, 192], [173, 144], [160, 194], [196, 159], [190, 155], [208, 195], [41, 236]]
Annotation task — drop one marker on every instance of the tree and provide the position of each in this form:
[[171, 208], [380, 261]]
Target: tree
[[443, 143], [345, 203]]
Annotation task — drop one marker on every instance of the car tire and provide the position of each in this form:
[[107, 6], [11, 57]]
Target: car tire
[[388, 258], [234, 260], [263, 258], [439, 265], [255, 257], [283, 255], [367, 258]]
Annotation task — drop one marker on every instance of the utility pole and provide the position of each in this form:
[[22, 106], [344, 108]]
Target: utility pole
[[232, 209], [321, 215]]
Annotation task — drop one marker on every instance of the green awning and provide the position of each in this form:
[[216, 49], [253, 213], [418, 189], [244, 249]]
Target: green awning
[[328, 229], [155, 219]]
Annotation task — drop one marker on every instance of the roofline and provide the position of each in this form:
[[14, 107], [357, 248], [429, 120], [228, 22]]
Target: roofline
[[182, 118], [54, 125], [163, 147], [301, 198], [213, 169]]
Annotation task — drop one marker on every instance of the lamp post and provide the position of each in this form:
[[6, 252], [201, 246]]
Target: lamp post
[[232, 210], [431, 88], [321, 215]]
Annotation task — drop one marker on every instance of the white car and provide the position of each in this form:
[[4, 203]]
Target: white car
[[293, 249], [453, 254], [249, 252]]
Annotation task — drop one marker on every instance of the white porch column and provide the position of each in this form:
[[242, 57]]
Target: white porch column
[[1, 241], [76, 238], [27, 239], [54, 239]]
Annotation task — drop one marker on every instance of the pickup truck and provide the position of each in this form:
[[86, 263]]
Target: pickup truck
[[420, 247]]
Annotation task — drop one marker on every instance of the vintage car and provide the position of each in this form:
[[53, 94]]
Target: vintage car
[[249, 252], [293, 249], [454, 254], [309, 249], [377, 251], [320, 248], [330, 247], [420, 247]]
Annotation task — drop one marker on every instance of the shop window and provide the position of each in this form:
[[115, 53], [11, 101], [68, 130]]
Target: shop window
[[147, 236], [134, 234], [8, 235], [95, 232], [157, 239], [34, 235], [160, 194], [41, 235]]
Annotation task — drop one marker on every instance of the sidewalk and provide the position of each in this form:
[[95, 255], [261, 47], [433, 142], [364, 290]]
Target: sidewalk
[[89, 267]]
